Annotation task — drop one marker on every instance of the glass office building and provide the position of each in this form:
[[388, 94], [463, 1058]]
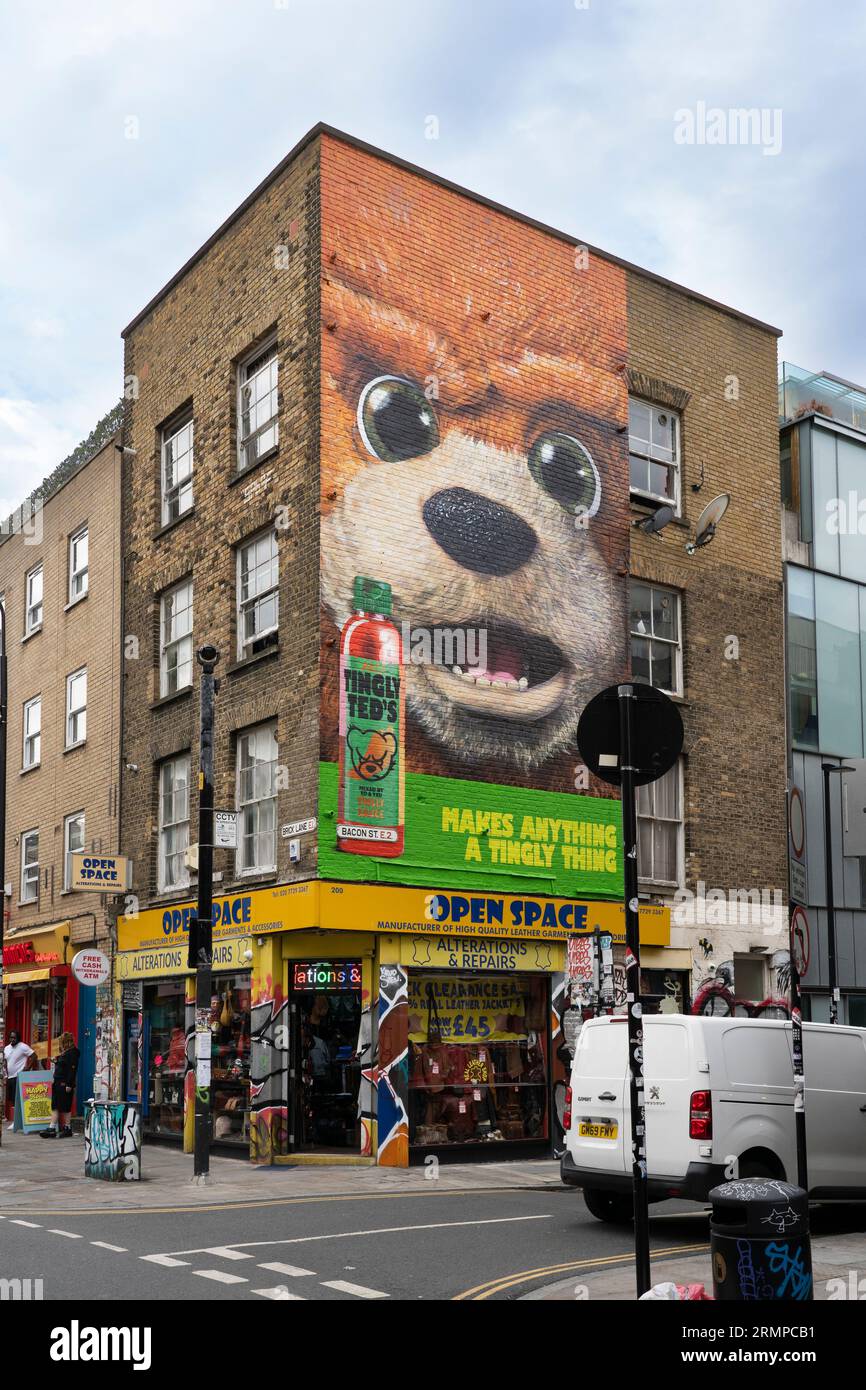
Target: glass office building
[[823, 462]]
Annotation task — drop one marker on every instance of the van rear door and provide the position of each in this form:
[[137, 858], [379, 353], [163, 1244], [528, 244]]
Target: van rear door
[[600, 1132], [835, 1063], [670, 1077]]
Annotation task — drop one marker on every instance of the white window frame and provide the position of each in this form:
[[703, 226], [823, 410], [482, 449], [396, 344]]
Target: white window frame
[[170, 644], [29, 872], [173, 826], [76, 718], [642, 449], [31, 624], [647, 792], [79, 575], [32, 736], [650, 636], [253, 388], [68, 851], [255, 599], [249, 805], [179, 452]]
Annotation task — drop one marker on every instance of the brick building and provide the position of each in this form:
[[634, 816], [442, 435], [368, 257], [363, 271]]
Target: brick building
[[61, 585], [383, 456]]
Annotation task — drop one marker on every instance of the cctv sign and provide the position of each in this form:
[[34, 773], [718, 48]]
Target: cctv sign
[[101, 873]]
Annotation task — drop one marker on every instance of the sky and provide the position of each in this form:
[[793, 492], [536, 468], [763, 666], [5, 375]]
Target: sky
[[131, 130]]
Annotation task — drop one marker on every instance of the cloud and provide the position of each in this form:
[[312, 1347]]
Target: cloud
[[564, 113]]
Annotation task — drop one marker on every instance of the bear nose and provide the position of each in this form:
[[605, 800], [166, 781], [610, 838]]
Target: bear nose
[[478, 533]]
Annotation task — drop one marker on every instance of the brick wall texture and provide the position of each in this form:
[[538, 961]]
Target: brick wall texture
[[327, 211], [83, 634]]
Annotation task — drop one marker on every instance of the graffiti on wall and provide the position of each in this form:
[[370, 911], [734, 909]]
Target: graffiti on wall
[[269, 1113], [716, 994], [107, 1045], [474, 522], [112, 1142], [393, 1067], [366, 1054]]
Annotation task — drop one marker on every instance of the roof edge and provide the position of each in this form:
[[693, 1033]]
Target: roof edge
[[322, 128]]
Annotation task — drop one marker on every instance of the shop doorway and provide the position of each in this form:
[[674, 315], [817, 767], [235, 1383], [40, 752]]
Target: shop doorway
[[326, 1020]]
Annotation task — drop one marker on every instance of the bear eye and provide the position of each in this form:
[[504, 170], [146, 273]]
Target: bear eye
[[564, 468], [395, 419]]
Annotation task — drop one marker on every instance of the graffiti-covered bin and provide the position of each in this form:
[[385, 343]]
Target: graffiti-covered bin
[[759, 1242], [112, 1141]]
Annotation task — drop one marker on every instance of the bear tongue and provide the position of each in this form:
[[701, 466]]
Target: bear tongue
[[504, 661]]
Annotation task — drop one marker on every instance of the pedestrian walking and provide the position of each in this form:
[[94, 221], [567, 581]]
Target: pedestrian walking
[[19, 1057], [62, 1088]]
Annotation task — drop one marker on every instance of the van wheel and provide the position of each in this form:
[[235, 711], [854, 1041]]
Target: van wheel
[[755, 1168], [608, 1206]]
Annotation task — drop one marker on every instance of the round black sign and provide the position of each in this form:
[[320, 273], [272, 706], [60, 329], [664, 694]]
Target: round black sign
[[656, 734]]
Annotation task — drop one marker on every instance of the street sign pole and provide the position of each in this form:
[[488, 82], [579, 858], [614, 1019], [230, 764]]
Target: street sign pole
[[203, 925], [795, 954], [628, 736], [632, 992]]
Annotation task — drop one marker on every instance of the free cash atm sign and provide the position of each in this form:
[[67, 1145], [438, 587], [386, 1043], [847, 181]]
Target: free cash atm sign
[[101, 873]]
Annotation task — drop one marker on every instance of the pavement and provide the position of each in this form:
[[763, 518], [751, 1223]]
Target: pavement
[[48, 1175], [835, 1258], [405, 1232]]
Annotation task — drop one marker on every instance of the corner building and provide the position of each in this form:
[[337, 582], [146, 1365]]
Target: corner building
[[382, 462]]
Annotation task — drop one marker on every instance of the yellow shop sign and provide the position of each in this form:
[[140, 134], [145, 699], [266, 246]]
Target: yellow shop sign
[[291, 905], [367, 907]]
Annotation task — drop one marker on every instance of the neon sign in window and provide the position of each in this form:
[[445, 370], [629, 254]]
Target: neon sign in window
[[326, 975]]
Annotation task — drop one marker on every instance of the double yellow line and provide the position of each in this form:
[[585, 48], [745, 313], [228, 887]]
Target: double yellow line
[[529, 1276]]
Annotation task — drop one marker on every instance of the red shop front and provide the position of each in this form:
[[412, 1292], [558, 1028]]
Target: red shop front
[[41, 991]]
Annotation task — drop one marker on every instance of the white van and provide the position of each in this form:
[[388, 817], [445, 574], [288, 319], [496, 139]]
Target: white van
[[716, 1089]]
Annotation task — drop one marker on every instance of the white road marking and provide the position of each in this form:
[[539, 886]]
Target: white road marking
[[220, 1276], [279, 1295], [225, 1252], [343, 1286], [70, 1235], [166, 1260], [290, 1271], [104, 1245], [16, 1221], [378, 1231]]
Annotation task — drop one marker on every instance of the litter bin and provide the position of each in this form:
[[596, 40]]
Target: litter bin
[[759, 1241], [112, 1141]]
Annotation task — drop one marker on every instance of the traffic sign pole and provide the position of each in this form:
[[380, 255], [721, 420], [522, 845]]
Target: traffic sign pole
[[632, 992], [628, 736], [798, 944]]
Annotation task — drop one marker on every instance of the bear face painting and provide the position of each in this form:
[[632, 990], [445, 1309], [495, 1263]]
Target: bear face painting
[[472, 458]]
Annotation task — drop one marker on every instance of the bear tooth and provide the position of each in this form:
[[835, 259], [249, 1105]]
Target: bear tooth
[[457, 670], [468, 676], [499, 685], [523, 683], [482, 680], [513, 684]]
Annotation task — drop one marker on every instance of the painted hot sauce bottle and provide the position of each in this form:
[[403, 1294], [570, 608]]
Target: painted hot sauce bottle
[[370, 810]]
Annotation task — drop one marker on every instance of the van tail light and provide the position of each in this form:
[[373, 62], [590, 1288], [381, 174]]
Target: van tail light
[[701, 1115], [566, 1114]]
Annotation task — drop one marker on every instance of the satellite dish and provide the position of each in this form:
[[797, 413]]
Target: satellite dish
[[656, 522], [708, 521]]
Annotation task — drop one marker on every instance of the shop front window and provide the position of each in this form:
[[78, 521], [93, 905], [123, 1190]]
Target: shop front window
[[39, 1017], [165, 1054], [230, 1058], [327, 995], [478, 1059], [58, 1004]]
